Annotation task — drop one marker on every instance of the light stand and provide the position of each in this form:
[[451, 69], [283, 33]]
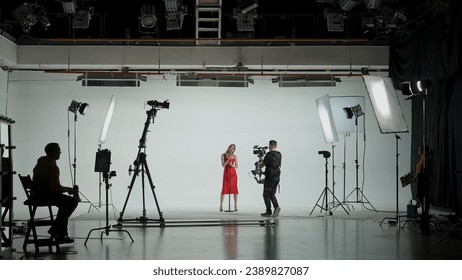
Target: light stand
[[344, 165], [102, 139], [102, 163], [357, 112], [74, 108], [333, 173], [141, 166], [334, 205], [397, 216], [420, 88], [324, 194]]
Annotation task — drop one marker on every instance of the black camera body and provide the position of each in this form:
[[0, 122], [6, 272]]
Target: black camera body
[[159, 105], [258, 173], [259, 151]]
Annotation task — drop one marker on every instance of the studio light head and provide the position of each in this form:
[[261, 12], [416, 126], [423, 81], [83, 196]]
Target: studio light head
[[353, 111], [159, 105], [77, 106], [325, 154], [348, 112], [415, 88]]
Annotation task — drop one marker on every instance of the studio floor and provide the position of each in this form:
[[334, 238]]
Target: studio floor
[[206, 234]]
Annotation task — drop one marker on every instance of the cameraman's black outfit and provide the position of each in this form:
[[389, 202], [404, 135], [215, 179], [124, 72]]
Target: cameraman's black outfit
[[49, 191], [272, 162]]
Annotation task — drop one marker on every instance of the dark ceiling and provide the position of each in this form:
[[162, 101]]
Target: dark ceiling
[[283, 21]]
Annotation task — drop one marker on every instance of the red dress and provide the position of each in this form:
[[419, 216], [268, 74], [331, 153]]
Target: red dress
[[229, 178]]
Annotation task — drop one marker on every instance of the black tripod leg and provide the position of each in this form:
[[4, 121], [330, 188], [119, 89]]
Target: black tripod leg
[[367, 201], [338, 201], [449, 232], [148, 173], [130, 187], [324, 193]]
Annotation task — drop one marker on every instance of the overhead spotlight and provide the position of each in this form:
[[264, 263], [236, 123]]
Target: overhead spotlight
[[148, 17], [25, 15], [248, 6], [401, 14], [69, 6], [82, 19], [347, 5], [174, 14], [172, 5], [44, 21], [373, 4], [245, 22], [77, 106], [334, 20]]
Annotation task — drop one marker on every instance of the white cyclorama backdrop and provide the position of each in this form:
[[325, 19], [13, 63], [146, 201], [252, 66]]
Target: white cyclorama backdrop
[[184, 143]]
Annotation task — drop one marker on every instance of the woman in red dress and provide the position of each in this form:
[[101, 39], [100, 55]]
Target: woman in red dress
[[229, 162]]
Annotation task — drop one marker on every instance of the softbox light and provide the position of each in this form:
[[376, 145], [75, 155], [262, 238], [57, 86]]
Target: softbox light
[[385, 104], [107, 120], [327, 119]]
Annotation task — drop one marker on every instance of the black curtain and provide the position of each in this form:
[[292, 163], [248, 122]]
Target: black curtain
[[432, 51]]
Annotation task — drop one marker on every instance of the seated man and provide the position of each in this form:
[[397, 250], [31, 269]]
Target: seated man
[[49, 190]]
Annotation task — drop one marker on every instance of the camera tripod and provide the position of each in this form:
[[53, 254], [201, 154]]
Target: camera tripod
[[141, 166], [324, 194], [107, 229]]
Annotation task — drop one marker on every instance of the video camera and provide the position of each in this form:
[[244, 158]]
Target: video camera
[[159, 105], [258, 173], [259, 151]]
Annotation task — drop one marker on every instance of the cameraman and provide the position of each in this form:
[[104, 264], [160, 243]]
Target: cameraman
[[272, 162]]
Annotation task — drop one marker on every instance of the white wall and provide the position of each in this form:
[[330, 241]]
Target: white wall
[[185, 142]]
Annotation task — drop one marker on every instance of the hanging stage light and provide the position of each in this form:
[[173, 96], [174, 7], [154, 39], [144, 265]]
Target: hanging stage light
[[25, 14], [148, 17], [174, 14], [77, 106], [69, 6], [248, 6]]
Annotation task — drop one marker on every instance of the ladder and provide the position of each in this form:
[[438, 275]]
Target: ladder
[[208, 22]]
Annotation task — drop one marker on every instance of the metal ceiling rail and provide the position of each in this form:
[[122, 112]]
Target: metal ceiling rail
[[193, 40]]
